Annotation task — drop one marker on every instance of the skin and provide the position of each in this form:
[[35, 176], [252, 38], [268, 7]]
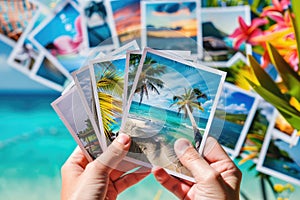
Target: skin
[[216, 176], [104, 178]]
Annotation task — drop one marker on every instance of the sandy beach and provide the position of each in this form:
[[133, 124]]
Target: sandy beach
[[149, 146]]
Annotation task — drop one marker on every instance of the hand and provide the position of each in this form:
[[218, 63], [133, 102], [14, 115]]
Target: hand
[[216, 175], [100, 179]]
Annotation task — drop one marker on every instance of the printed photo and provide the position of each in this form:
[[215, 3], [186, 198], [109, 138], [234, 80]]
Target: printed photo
[[217, 25], [280, 159], [171, 99], [25, 54], [108, 83], [97, 27], [61, 36], [233, 118], [71, 111], [48, 74], [262, 123], [171, 25], [126, 19], [14, 17]]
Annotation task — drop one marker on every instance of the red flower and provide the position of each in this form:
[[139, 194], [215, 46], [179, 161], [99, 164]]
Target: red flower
[[246, 33]]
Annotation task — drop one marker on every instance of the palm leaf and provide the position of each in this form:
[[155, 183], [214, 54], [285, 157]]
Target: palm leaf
[[290, 78], [289, 112], [296, 22], [264, 79]]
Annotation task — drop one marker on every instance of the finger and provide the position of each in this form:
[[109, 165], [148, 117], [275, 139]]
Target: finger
[[130, 179], [198, 166], [213, 151], [114, 154], [179, 188], [76, 160], [121, 169]]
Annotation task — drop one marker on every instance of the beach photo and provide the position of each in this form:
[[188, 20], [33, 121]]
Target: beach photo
[[71, 110], [280, 159], [126, 19], [217, 25], [47, 73], [107, 78], [96, 25], [262, 123], [171, 25], [61, 36], [171, 98], [233, 117]]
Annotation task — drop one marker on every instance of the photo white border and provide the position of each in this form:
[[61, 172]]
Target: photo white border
[[198, 8], [236, 151], [261, 168], [247, 18]]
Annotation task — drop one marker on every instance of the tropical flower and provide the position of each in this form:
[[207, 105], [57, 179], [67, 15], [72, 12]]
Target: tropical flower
[[246, 33]]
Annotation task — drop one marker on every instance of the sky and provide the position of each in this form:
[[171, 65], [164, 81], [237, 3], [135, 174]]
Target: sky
[[236, 101], [224, 19], [182, 18], [176, 79]]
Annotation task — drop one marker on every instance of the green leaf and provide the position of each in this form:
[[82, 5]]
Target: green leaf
[[290, 78], [264, 79], [289, 112], [296, 22]]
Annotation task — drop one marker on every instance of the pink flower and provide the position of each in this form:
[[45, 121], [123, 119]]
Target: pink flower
[[277, 6], [246, 33]]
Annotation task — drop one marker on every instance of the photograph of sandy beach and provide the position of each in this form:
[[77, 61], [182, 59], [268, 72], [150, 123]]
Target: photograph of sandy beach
[[171, 99]]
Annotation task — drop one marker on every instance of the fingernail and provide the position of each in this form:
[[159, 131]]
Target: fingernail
[[123, 138], [181, 146]]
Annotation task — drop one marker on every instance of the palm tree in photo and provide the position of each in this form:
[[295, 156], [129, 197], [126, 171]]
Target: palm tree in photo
[[187, 102], [148, 78], [110, 84]]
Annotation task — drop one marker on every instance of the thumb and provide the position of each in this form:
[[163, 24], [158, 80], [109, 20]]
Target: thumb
[[114, 154], [191, 159]]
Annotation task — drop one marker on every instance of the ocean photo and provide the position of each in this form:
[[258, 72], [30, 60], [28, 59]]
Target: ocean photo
[[171, 99], [283, 159], [171, 25], [233, 117]]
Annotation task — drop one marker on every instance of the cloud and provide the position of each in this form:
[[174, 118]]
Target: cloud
[[236, 108]]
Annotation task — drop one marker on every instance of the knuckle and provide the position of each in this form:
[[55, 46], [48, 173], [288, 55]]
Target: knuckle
[[212, 175]]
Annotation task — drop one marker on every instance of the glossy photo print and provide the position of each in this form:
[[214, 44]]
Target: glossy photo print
[[262, 123], [126, 19], [157, 112], [24, 56], [70, 109], [280, 159], [233, 117], [15, 16], [171, 25], [285, 130], [61, 36], [107, 78], [96, 25], [217, 25]]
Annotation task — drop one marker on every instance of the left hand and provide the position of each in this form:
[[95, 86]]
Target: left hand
[[100, 179]]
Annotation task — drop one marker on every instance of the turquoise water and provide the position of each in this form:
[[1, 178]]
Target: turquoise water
[[34, 144]]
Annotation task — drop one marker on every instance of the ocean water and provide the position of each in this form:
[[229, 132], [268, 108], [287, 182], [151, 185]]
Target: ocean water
[[34, 144]]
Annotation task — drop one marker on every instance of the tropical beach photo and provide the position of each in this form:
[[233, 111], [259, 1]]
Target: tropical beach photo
[[233, 117], [126, 19], [171, 99], [96, 27], [108, 85], [171, 25], [217, 25], [70, 109], [279, 159]]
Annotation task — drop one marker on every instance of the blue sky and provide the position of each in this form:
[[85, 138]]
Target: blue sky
[[176, 79], [120, 4], [235, 101], [119, 64]]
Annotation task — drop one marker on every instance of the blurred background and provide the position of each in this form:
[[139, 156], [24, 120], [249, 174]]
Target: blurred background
[[34, 143]]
